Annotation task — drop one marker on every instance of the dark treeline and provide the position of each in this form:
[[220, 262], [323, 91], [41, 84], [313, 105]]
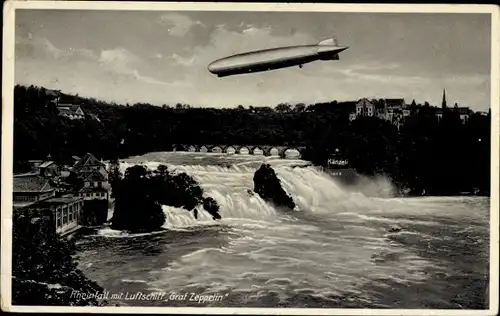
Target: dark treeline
[[445, 157]]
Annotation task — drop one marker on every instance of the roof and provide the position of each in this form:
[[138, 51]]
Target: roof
[[96, 175], [378, 104], [87, 160], [93, 189], [46, 164], [462, 110], [55, 201], [68, 109], [75, 157], [394, 102], [31, 183], [364, 102], [53, 93], [95, 117]]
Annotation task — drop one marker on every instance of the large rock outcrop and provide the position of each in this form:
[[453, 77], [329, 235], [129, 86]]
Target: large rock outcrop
[[268, 187], [139, 197]]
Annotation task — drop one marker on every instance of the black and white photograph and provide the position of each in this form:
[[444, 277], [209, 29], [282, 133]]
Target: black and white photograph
[[250, 158]]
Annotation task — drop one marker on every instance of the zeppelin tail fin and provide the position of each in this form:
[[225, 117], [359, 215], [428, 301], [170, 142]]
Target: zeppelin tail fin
[[329, 42]]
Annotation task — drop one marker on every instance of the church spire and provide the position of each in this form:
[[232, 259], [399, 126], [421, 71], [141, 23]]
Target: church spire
[[443, 104]]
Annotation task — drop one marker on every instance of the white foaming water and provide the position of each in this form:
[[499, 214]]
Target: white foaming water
[[336, 242]]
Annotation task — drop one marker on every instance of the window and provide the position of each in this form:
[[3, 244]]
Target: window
[[58, 218], [24, 198], [64, 216], [70, 214], [95, 184]]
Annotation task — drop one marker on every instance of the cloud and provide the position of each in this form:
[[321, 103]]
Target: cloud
[[375, 66], [178, 24], [36, 48], [116, 62], [118, 59], [183, 60], [51, 49], [122, 61]]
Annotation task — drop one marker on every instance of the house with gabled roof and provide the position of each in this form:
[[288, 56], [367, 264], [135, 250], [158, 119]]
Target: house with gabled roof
[[95, 186], [30, 188], [86, 165], [71, 111], [365, 108]]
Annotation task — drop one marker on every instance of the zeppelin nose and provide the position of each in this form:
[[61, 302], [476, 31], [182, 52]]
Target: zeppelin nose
[[212, 67]]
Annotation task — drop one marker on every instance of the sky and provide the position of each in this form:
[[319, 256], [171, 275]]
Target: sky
[[161, 57]]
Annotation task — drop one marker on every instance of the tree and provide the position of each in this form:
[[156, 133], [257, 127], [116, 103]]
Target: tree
[[300, 107], [283, 108], [44, 271], [115, 175], [136, 206]]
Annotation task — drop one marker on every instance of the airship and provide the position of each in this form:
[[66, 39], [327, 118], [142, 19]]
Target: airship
[[276, 58]]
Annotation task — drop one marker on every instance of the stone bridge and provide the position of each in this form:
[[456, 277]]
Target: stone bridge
[[266, 149]]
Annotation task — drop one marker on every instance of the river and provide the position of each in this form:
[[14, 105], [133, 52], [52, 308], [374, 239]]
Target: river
[[339, 249]]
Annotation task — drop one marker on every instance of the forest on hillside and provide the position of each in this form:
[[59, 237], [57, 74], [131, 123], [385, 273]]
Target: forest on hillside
[[441, 157]]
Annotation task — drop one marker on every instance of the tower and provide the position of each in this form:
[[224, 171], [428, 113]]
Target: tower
[[443, 104]]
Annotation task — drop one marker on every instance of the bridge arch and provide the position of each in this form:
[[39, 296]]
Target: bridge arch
[[274, 151], [256, 150], [229, 149], [240, 148], [192, 148], [216, 149], [203, 149], [283, 152]]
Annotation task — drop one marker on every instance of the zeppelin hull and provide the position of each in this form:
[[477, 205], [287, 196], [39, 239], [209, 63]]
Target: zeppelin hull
[[265, 66], [273, 59]]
